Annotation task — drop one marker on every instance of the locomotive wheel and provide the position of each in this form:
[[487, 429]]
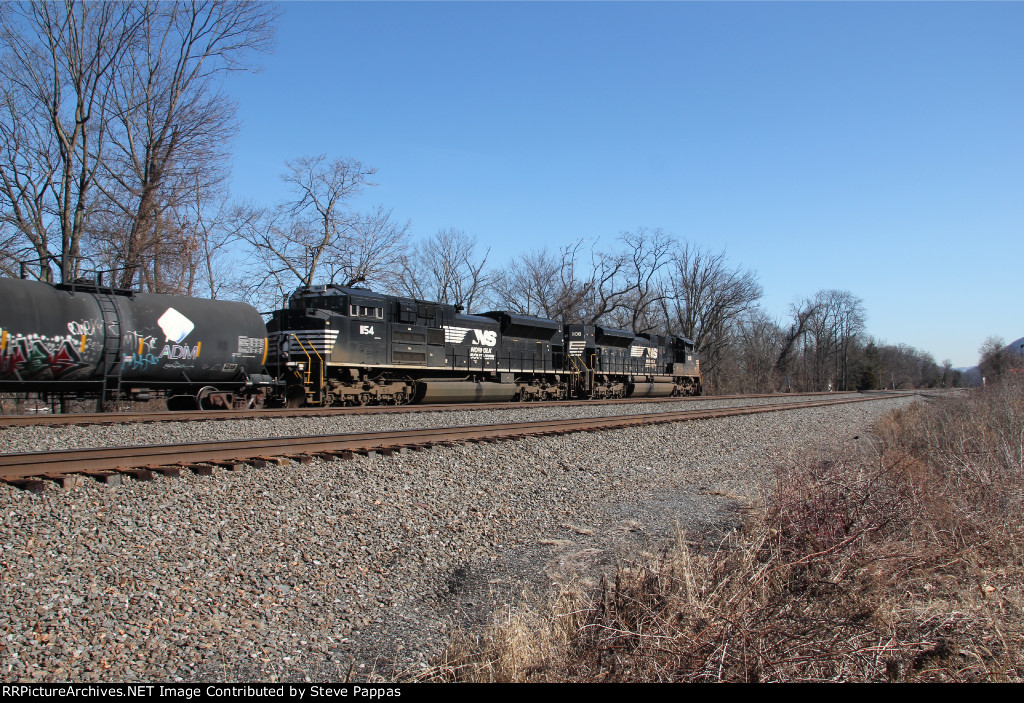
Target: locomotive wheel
[[404, 397], [209, 398]]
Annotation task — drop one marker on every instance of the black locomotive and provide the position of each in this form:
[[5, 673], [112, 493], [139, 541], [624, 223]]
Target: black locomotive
[[332, 345], [349, 346]]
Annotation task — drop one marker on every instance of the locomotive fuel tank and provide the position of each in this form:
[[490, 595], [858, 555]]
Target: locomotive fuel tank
[[640, 387], [78, 337], [463, 392]]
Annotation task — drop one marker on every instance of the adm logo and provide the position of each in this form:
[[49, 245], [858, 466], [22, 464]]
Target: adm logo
[[176, 327]]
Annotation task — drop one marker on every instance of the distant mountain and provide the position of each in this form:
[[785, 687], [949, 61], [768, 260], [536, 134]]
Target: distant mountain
[[970, 376], [1016, 347]]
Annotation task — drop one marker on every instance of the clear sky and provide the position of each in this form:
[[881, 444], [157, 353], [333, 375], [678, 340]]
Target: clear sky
[[871, 147]]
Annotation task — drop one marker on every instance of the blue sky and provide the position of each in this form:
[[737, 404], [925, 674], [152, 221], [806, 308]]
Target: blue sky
[[872, 147]]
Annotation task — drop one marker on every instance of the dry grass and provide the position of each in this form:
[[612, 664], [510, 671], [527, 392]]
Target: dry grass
[[904, 563]]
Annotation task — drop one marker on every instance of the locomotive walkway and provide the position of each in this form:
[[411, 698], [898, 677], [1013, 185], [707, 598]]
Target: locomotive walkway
[[109, 465]]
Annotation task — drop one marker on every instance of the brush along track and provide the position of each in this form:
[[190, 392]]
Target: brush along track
[[118, 418], [28, 470]]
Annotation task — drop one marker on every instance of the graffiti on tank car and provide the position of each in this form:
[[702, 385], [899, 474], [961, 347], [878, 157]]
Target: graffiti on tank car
[[139, 362], [139, 343], [37, 356], [139, 351], [84, 328], [142, 351], [90, 334]]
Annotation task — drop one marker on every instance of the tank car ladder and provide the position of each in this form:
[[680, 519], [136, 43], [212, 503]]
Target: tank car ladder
[[112, 365]]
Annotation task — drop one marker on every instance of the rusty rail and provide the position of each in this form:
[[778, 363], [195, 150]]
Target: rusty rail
[[28, 470], [194, 415]]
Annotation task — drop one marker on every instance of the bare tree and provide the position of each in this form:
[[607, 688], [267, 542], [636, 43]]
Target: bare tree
[[207, 224], [446, 268], [605, 286], [56, 79], [553, 285], [8, 248], [851, 321], [321, 218], [109, 114], [370, 252], [632, 299], [172, 124], [621, 286], [758, 342], [833, 328], [706, 297], [947, 373], [996, 359], [317, 235], [903, 366], [785, 359], [272, 264]]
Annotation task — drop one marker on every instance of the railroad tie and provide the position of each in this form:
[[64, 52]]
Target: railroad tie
[[262, 462], [165, 471], [65, 481], [32, 485], [138, 474], [111, 478], [205, 469], [338, 455]]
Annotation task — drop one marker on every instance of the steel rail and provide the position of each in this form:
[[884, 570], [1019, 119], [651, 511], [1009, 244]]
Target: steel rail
[[112, 418], [57, 465]]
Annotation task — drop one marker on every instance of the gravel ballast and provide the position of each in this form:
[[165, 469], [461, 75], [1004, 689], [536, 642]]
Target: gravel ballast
[[59, 437], [361, 566]]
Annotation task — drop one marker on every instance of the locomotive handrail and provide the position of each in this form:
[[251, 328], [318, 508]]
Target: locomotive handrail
[[580, 368], [309, 359]]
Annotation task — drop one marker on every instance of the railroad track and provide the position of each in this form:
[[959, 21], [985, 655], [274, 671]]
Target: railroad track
[[68, 468], [205, 415]]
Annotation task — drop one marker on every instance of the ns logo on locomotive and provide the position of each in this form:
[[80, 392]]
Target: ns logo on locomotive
[[332, 345]]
